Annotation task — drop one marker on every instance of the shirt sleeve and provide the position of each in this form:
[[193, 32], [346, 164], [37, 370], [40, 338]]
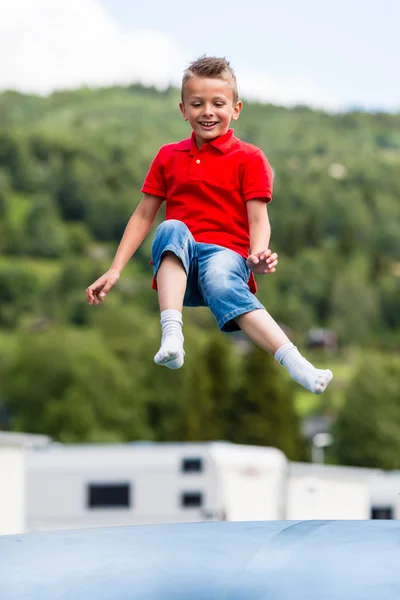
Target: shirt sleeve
[[154, 182], [257, 178]]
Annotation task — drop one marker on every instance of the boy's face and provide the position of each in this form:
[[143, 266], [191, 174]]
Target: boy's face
[[208, 106]]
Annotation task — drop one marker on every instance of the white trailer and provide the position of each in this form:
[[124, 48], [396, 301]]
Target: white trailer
[[12, 479], [93, 485], [385, 495], [329, 492]]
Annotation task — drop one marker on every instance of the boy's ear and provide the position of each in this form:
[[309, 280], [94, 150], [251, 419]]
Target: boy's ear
[[183, 111], [237, 110]]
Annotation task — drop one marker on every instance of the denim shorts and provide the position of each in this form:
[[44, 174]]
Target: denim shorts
[[217, 277]]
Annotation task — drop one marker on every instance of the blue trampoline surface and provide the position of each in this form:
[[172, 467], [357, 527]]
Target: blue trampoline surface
[[276, 560]]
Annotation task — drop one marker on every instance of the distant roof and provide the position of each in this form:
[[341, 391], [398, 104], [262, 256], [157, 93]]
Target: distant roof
[[326, 470], [159, 454], [31, 440]]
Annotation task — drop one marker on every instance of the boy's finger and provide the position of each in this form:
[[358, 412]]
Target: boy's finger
[[92, 293], [265, 254], [94, 300], [99, 295], [104, 291]]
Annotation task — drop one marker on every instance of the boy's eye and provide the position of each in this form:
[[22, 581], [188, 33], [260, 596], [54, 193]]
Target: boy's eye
[[198, 104]]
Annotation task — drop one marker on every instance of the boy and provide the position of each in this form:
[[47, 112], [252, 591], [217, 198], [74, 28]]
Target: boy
[[216, 189]]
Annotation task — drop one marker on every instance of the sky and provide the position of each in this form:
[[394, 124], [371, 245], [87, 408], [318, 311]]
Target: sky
[[329, 54]]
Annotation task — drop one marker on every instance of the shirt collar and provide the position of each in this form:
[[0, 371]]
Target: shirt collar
[[223, 143]]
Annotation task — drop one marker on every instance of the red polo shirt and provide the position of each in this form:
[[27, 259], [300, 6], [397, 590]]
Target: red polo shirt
[[207, 188]]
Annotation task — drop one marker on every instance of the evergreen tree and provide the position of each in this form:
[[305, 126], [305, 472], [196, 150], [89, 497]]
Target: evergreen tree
[[367, 430], [222, 370], [264, 407], [71, 387]]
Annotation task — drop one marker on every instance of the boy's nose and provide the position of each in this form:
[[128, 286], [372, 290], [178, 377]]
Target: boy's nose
[[208, 110]]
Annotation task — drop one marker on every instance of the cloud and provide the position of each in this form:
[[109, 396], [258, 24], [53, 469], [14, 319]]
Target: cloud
[[288, 91], [58, 44], [50, 44]]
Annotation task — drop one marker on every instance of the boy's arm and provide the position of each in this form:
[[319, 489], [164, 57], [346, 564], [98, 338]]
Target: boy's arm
[[261, 260], [135, 232]]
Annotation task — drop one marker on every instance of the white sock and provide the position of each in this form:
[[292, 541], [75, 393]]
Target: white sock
[[171, 354], [302, 371]]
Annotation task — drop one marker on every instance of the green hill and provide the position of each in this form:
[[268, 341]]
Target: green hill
[[71, 168]]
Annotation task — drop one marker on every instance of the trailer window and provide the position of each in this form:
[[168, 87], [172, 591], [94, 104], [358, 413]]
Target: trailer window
[[113, 495], [192, 465], [191, 499], [382, 512]]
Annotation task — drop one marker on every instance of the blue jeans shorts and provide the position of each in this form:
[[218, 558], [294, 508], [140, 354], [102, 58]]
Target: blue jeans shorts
[[217, 277]]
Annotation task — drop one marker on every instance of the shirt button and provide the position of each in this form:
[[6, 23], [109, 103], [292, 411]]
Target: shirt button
[[198, 161]]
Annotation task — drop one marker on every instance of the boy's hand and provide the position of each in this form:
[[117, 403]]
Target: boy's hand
[[96, 292], [262, 263]]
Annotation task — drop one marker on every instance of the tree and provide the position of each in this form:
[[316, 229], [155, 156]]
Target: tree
[[44, 235], [180, 404], [354, 303], [71, 387], [14, 154], [367, 429], [264, 406], [221, 367], [19, 292]]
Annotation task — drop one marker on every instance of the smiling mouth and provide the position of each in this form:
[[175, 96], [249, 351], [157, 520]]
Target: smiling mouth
[[208, 124]]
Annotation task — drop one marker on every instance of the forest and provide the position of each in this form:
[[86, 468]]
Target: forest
[[71, 168]]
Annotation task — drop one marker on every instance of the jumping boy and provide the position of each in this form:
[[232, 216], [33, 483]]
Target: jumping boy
[[216, 233]]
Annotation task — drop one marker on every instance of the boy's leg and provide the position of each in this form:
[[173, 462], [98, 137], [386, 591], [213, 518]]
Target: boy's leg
[[171, 256], [171, 282], [263, 330], [266, 333], [223, 278], [171, 285]]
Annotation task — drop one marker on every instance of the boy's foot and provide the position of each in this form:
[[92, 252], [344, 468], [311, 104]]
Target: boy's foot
[[171, 354], [302, 371], [314, 380]]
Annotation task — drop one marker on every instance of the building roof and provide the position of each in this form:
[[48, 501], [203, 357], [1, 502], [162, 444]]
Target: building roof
[[153, 454], [25, 440]]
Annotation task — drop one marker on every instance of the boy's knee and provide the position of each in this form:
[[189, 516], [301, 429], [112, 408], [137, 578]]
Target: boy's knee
[[170, 227], [170, 235]]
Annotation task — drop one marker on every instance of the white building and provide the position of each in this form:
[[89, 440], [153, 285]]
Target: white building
[[77, 486], [385, 495], [13, 478], [317, 491], [140, 483]]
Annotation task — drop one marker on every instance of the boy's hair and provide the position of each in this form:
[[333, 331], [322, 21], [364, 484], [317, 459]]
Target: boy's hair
[[211, 67]]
